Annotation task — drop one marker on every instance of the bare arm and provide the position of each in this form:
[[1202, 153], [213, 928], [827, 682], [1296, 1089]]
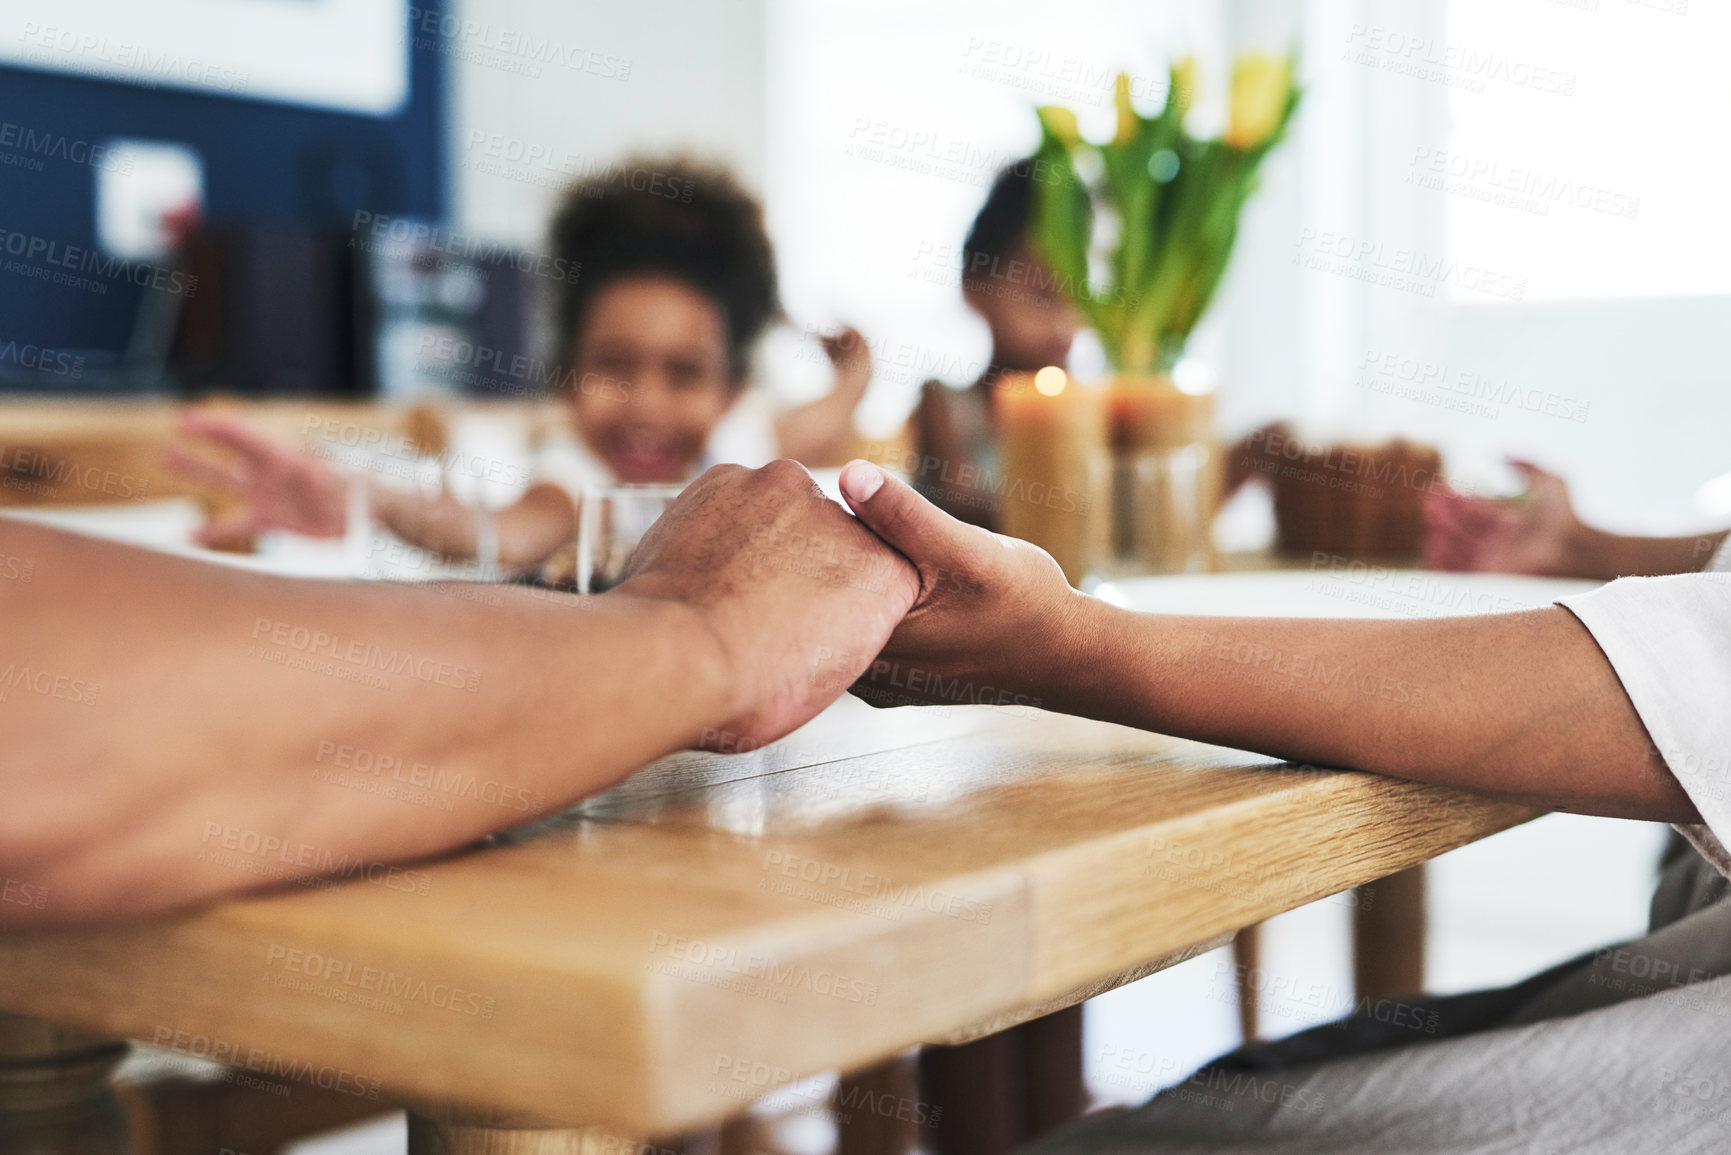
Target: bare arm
[[530, 530], [282, 487], [176, 730], [1607, 556], [1540, 533], [817, 431], [1517, 706]]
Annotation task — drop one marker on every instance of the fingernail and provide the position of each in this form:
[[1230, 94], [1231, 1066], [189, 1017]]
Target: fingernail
[[860, 480]]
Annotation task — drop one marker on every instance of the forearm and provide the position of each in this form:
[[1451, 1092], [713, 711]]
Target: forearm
[[207, 730], [1518, 706], [1596, 554]]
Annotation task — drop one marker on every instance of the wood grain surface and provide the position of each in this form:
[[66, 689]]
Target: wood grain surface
[[719, 926]]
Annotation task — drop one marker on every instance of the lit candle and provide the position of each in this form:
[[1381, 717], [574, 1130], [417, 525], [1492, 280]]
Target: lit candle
[[1056, 476], [1150, 412]]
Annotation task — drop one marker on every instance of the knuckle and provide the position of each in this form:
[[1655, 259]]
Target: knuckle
[[784, 471]]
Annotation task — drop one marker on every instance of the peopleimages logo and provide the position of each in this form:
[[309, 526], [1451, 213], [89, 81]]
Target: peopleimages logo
[[876, 886], [358, 760], [47, 471], [365, 655], [66, 261], [373, 229], [46, 683], [373, 980], [267, 850], [513, 42], [716, 961], [24, 894], [262, 1062], [42, 359], [130, 60], [37, 145]]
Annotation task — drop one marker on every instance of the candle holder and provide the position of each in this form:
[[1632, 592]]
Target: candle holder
[[1056, 472], [1165, 476]]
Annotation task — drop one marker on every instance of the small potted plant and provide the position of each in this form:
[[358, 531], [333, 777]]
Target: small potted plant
[[1143, 281]]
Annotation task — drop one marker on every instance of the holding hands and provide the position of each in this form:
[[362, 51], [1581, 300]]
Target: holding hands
[[796, 596], [993, 614], [903, 602]]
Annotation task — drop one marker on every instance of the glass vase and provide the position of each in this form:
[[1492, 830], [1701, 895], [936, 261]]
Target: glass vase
[[1165, 476]]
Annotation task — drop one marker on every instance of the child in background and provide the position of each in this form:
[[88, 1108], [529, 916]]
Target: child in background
[[1032, 326], [655, 339]]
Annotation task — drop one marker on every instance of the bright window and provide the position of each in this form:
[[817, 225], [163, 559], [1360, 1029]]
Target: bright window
[[1587, 149]]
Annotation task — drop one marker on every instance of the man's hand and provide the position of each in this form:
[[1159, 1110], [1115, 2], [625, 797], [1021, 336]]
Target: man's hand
[[798, 596], [279, 486], [993, 613]]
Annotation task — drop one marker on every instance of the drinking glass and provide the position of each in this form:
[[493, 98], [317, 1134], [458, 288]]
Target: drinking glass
[[613, 520], [485, 467]]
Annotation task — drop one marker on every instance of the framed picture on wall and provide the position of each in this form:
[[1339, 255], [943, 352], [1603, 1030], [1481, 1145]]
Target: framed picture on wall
[[343, 55]]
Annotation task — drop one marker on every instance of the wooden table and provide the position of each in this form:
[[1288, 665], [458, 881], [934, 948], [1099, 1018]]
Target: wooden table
[[721, 925]]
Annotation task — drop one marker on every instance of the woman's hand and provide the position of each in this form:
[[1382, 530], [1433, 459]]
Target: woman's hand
[[1537, 533], [1518, 706], [280, 487], [993, 615]]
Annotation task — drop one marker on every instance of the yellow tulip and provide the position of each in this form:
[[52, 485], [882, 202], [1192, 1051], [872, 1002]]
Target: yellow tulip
[[1260, 85], [1127, 118], [1186, 78], [1061, 123]]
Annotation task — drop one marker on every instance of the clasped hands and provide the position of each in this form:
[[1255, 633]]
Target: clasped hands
[[796, 601]]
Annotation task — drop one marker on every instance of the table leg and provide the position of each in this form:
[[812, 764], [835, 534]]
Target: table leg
[[990, 1096], [54, 1093], [876, 1110], [1388, 933], [1246, 957]]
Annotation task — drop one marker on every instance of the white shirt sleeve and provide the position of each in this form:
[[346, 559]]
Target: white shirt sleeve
[[1669, 640]]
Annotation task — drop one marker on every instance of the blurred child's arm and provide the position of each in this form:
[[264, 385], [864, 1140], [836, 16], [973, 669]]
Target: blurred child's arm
[[283, 487], [1540, 533], [529, 531], [818, 432], [1609, 556]]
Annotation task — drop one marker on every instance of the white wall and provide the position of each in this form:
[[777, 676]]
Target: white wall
[[692, 81]]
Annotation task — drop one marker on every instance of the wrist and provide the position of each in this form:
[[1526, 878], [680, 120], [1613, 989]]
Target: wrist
[[1582, 551], [1069, 646], [690, 649]]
